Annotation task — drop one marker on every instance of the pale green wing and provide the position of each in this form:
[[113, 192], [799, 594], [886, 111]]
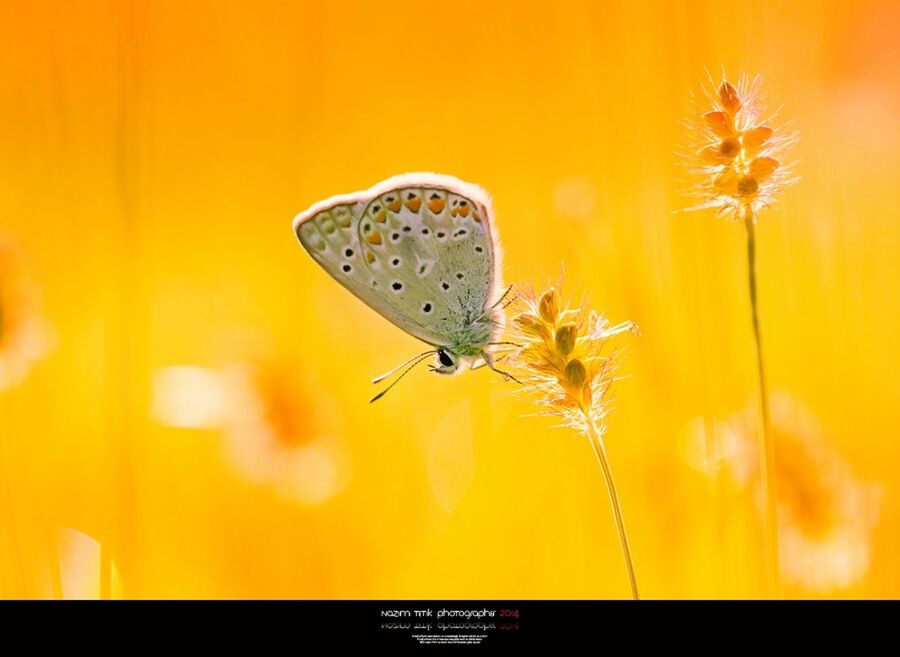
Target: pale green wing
[[418, 248]]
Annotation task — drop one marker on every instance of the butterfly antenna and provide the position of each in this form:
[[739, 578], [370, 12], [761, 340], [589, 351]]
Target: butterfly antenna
[[379, 379], [415, 361]]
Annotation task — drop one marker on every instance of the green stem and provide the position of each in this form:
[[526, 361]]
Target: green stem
[[766, 447], [600, 452]]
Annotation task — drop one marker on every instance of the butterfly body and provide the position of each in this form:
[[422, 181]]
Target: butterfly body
[[420, 249]]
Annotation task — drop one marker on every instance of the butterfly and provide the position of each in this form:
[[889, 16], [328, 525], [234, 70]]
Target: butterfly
[[420, 249]]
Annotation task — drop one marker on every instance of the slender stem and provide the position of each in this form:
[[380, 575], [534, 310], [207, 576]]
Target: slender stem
[[600, 452], [766, 447]]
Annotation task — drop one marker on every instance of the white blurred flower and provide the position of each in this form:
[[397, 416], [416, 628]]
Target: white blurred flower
[[81, 567]]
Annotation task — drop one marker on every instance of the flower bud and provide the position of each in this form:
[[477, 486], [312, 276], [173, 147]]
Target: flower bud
[[565, 339], [728, 96], [576, 374], [548, 306]]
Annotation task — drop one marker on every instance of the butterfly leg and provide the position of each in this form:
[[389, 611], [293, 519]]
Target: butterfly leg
[[502, 297], [483, 363], [489, 361]]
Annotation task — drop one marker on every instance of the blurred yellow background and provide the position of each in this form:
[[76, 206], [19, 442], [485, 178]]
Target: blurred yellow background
[[198, 424]]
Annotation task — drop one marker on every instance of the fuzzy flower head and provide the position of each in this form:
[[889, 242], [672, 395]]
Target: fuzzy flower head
[[737, 154], [561, 359]]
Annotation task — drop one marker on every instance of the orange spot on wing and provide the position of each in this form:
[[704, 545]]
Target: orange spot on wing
[[413, 205], [436, 205], [374, 237], [476, 217], [454, 211], [394, 206], [381, 216], [342, 217], [370, 257], [464, 210]]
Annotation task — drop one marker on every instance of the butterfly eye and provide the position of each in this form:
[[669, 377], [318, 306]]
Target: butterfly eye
[[445, 359]]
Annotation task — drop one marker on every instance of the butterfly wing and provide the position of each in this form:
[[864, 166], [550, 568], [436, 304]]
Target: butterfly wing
[[420, 249]]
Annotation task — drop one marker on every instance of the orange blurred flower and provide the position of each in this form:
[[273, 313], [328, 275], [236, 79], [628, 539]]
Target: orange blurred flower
[[24, 333], [277, 432], [275, 435], [825, 513], [737, 155]]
